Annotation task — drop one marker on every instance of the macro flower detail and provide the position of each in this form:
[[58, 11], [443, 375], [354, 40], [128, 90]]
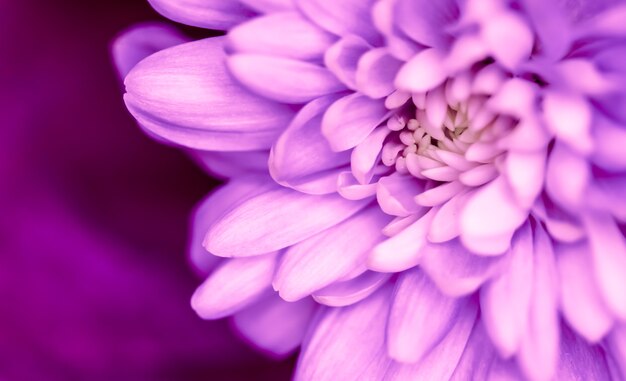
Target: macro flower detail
[[416, 189]]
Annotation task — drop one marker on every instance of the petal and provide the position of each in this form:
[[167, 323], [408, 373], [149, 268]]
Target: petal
[[142, 40], [420, 317], [341, 18], [402, 251], [341, 294], [581, 301], [233, 286], [525, 174], [186, 95], [581, 361], [479, 354], [351, 119], [366, 155], [375, 73], [567, 177], [212, 208], [445, 225], [491, 213], [608, 254], [539, 350], [423, 72], [509, 38], [285, 34], [276, 219], [569, 118], [343, 57], [396, 193], [350, 189], [258, 324], [348, 343], [617, 345], [324, 258], [283, 79], [301, 150], [426, 21], [610, 140], [455, 270], [232, 164], [209, 14], [442, 360], [505, 300], [269, 6]]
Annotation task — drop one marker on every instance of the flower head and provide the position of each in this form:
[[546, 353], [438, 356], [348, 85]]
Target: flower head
[[446, 175]]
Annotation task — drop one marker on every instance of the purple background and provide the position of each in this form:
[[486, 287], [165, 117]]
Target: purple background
[[94, 283]]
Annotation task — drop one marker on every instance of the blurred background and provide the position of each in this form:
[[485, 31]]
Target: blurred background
[[94, 281]]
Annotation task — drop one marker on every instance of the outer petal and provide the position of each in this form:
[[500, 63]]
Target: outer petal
[[232, 164], [375, 73], [341, 294], [210, 14], [276, 219], [275, 326], [283, 79], [285, 34], [328, 256], [426, 21], [422, 73], [343, 57], [269, 6], [341, 17], [186, 95], [505, 300], [234, 285], [348, 343], [420, 317], [140, 41]]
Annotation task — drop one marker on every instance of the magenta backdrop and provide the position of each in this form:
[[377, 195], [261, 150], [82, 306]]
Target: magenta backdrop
[[94, 283]]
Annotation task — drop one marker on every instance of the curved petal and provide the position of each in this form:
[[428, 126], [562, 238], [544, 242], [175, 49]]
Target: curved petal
[[142, 40], [210, 14], [423, 72], [351, 119], [426, 21], [275, 219], [269, 6], [283, 79], [326, 257], [343, 57], [186, 95], [257, 324], [285, 34], [232, 164], [345, 293], [375, 73]]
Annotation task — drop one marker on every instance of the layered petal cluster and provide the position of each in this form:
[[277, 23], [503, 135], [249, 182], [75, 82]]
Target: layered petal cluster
[[417, 189]]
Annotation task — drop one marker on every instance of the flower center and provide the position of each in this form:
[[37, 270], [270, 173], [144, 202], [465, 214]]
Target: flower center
[[432, 137]]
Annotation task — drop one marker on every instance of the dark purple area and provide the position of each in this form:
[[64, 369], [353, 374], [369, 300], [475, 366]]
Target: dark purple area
[[94, 282]]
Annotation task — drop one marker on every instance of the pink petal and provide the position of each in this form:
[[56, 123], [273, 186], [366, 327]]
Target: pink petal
[[478, 356], [341, 294], [186, 95], [610, 140], [232, 164], [581, 361], [275, 326], [342, 58], [283, 79], [341, 18], [276, 219], [395, 194], [491, 213], [581, 301], [301, 150], [348, 342], [209, 14], [420, 317], [509, 38], [401, 251], [441, 362], [375, 73], [505, 300], [456, 271], [569, 118], [539, 350], [349, 188], [233, 286], [525, 174], [422, 73], [567, 176], [326, 257], [266, 35], [351, 119], [608, 254], [426, 21], [269, 6], [445, 225], [366, 155]]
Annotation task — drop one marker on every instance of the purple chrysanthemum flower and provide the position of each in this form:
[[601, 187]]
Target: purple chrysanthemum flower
[[445, 181]]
